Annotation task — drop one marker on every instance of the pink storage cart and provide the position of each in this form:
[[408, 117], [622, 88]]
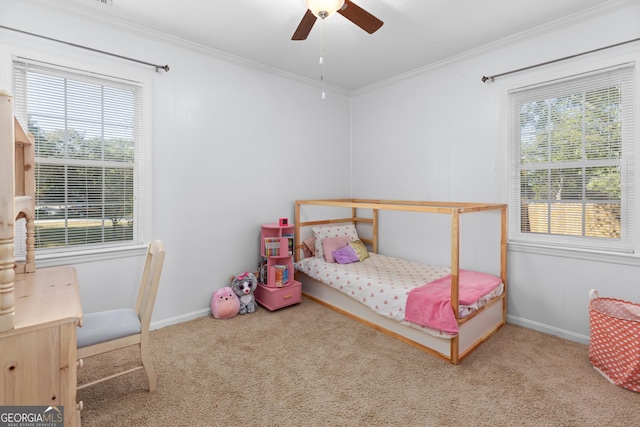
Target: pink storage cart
[[614, 347]]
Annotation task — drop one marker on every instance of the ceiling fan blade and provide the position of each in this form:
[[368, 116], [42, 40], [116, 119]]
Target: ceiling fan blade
[[305, 26], [360, 17]]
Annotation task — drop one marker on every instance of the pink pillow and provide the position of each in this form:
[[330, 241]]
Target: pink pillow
[[348, 230], [346, 255], [331, 244]]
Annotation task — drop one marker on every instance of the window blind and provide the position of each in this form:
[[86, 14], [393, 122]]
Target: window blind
[[571, 146], [88, 149]]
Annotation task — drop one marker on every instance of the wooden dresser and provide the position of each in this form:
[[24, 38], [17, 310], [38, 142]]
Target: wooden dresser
[[38, 356]]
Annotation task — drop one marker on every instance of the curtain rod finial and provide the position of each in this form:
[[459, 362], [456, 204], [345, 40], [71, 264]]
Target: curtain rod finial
[[165, 68], [485, 78]]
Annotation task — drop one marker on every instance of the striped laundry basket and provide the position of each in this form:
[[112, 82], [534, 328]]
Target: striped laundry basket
[[614, 346]]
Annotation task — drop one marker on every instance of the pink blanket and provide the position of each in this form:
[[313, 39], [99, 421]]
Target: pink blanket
[[430, 305]]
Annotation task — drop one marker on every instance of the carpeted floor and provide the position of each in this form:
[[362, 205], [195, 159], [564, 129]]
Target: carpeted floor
[[309, 366]]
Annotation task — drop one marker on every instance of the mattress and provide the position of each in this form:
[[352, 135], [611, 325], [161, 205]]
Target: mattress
[[382, 283]]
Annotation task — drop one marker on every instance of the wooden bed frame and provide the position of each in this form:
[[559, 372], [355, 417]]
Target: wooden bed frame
[[473, 330]]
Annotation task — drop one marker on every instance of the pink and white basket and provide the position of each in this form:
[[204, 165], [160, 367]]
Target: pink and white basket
[[614, 347]]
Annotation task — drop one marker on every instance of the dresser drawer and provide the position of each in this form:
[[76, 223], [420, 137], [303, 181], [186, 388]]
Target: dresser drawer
[[275, 298]]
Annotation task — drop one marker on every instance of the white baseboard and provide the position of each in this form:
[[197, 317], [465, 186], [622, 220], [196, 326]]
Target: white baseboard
[[541, 327], [179, 319]]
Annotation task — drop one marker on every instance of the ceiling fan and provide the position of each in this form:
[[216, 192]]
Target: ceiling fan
[[325, 8]]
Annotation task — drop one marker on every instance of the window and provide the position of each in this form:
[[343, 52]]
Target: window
[[88, 145], [571, 154]]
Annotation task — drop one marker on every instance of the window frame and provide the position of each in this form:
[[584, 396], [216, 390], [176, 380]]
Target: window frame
[[114, 70], [559, 247]]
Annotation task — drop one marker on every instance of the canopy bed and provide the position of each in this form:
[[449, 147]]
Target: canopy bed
[[444, 310]]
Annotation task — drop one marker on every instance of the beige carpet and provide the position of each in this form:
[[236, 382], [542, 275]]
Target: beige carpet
[[309, 366]]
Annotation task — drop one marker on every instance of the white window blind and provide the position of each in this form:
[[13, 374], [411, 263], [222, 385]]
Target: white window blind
[[88, 148], [571, 161]]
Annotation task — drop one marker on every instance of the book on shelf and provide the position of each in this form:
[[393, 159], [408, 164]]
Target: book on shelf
[[290, 242], [271, 246], [262, 269], [282, 274]]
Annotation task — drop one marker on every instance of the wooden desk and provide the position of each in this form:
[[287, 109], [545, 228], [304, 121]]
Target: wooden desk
[[38, 356]]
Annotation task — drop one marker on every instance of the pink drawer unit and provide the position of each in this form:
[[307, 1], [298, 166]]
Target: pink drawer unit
[[274, 298]]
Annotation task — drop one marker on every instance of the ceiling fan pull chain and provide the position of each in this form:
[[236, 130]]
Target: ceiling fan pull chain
[[322, 57], [322, 75]]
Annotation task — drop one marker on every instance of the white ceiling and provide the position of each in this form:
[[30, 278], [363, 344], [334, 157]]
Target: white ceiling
[[415, 33]]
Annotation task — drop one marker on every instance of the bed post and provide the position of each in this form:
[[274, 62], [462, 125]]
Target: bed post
[[375, 231], [296, 237], [503, 259], [455, 273]]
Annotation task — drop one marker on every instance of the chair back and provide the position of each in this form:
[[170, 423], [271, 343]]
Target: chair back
[[149, 283]]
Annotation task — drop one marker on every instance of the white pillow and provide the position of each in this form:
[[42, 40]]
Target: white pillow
[[319, 233]]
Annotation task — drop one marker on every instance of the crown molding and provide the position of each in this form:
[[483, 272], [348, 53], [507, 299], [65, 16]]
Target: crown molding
[[139, 30], [142, 31], [573, 19]]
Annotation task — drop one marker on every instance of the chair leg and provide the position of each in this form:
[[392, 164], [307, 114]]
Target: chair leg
[[148, 366]]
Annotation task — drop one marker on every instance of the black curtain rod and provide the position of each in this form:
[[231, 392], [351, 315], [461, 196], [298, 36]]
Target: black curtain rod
[[490, 78], [157, 67]]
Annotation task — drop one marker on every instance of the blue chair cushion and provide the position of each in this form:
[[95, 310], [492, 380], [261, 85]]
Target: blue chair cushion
[[107, 325]]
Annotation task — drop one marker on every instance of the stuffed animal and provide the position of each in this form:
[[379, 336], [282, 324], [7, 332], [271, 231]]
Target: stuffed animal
[[225, 303], [244, 285]]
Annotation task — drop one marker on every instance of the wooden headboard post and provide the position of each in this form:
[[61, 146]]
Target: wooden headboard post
[[296, 238], [375, 231]]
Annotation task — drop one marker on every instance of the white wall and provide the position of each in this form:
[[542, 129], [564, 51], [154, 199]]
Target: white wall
[[233, 146], [437, 134], [440, 134]]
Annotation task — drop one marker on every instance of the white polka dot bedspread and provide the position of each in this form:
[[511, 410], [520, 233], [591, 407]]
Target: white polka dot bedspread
[[382, 283]]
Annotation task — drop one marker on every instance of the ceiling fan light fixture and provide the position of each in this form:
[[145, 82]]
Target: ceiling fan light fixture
[[324, 8]]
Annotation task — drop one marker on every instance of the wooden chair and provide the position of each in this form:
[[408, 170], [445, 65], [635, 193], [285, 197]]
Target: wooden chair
[[119, 328]]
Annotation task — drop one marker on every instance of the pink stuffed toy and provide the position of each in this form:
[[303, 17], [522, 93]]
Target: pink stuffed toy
[[225, 303]]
